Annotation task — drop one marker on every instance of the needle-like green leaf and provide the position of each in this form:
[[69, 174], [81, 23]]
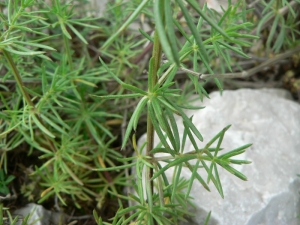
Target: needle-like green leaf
[[194, 31], [126, 24], [217, 136], [41, 126], [159, 17], [235, 172], [195, 6], [117, 96], [218, 181], [174, 129], [192, 178], [197, 176], [138, 111], [170, 30], [235, 152], [191, 138], [177, 161], [157, 126], [77, 33], [146, 35]]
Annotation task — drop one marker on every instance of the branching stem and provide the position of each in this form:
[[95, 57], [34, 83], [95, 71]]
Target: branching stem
[[246, 73], [20, 84], [281, 11], [17, 77]]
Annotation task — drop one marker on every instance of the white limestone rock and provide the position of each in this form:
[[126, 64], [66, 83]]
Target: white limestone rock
[[269, 120], [97, 7], [39, 215]]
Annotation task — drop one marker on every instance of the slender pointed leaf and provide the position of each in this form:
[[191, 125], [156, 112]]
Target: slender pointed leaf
[[41, 126], [25, 53], [53, 124], [63, 28], [160, 28], [156, 126], [234, 152], [117, 96], [273, 30], [134, 89], [174, 129], [235, 172], [195, 6], [138, 110], [192, 127], [197, 176], [192, 178], [146, 35], [168, 132], [181, 30], [218, 181], [239, 162], [196, 34], [126, 23], [170, 30], [128, 131], [175, 181], [217, 136], [210, 172], [177, 161], [191, 138], [110, 73], [77, 33]]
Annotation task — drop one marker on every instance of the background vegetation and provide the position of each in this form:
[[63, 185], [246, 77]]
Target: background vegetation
[[60, 142]]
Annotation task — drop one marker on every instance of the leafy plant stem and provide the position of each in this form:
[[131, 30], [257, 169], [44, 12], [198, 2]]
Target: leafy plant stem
[[281, 11], [157, 51], [17, 76], [20, 84], [70, 61], [245, 73], [68, 51], [13, 21]]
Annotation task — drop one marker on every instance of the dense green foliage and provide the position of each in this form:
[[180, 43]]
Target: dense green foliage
[[68, 80]]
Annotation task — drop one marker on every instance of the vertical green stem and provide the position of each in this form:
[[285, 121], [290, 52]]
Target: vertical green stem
[[17, 77], [68, 51], [70, 61], [156, 55], [20, 84]]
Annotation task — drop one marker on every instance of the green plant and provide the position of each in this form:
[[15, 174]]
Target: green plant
[[6, 217], [279, 14], [48, 109], [159, 100], [4, 182], [66, 110]]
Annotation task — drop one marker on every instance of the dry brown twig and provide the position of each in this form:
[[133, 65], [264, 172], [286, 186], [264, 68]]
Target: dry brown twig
[[281, 11], [246, 73]]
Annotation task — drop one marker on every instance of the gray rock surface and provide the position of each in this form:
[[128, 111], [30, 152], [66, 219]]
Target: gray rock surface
[[38, 215], [269, 120], [97, 7]]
